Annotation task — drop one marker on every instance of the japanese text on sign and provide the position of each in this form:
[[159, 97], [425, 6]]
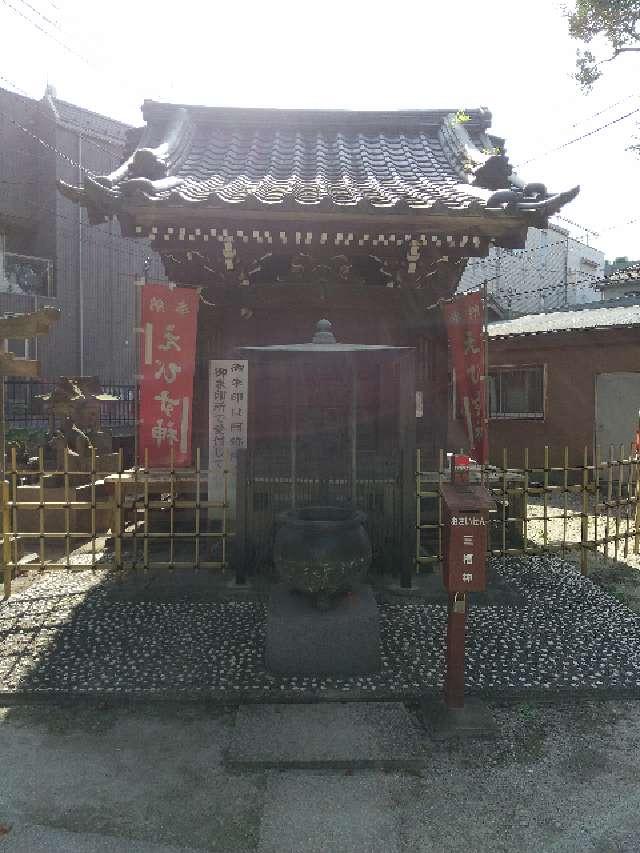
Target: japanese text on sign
[[228, 409], [169, 323], [475, 520], [464, 321]]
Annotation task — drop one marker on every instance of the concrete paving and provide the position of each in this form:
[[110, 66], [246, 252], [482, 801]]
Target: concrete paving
[[381, 735], [43, 839], [560, 778], [325, 812], [150, 776]]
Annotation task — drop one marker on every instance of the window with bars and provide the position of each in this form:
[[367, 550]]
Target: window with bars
[[516, 392]]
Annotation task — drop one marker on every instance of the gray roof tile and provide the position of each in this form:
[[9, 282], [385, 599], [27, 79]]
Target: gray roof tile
[[292, 159]]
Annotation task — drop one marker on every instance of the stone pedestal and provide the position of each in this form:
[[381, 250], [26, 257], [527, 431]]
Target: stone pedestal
[[342, 641]]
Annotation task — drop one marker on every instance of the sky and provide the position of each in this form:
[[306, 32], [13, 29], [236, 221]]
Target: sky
[[512, 56]]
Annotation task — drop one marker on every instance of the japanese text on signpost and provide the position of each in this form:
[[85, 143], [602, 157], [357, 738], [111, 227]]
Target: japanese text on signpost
[[464, 318], [169, 327], [228, 407]]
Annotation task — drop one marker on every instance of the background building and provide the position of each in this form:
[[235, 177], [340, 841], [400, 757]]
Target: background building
[[567, 378], [554, 270], [621, 281], [48, 253]]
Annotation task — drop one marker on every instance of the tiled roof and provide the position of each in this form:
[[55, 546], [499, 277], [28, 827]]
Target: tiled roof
[[86, 121], [595, 315], [429, 161]]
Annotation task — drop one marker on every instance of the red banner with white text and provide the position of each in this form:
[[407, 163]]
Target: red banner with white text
[[464, 319], [169, 327]]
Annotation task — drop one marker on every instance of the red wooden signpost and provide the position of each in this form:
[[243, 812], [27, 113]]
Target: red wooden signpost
[[466, 520]]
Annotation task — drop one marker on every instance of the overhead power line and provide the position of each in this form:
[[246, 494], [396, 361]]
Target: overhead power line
[[39, 13], [605, 109], [578, 138], [13, 85], [620, 224], [46, 32]]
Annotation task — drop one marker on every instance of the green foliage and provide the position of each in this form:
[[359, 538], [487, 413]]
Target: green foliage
[[461, 117], [26, 441], [615, 22], [26, 435], [528, 712]]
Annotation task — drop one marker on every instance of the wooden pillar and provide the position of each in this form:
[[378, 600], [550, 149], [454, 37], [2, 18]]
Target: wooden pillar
[[407, 444], [454, 679]]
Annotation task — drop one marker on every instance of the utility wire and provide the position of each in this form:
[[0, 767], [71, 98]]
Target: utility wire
[[47, 33], [13, 85], [620, 225], [99, 70], [577, 139], [605, 109], [39, 13]]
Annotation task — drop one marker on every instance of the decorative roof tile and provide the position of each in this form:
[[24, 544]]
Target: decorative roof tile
[[429, 161]]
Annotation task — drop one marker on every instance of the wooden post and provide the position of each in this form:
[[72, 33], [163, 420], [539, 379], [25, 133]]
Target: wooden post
[[525, 538], [545, 500], [418, 509], [117, 515], [454, 680], [3, 447], [565, 493], [406, 424], [93, 507], [145, 547], [636, 538], [505, 502], [197, 512], [584, 527], [240, 544], [6, 537], [354, 432], [139, 342], [485, 382], [294, 436], [225, 506]]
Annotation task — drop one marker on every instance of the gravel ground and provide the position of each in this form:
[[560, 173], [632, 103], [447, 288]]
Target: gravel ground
[[66, 633], [610, 568]]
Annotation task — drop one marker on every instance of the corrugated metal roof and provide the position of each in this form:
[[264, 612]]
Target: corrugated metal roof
[[592, 316]]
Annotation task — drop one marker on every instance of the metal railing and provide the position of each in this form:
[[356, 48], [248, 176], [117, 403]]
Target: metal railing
[[24, 409], [568, 509]]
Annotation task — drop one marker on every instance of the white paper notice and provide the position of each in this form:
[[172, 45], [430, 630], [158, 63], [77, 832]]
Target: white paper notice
[[228, 407]]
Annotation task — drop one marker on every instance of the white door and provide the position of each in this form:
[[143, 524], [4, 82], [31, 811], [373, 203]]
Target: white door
[[617, 406]]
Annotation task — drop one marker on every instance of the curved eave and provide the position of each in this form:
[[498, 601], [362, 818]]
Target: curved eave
[[104, 202]]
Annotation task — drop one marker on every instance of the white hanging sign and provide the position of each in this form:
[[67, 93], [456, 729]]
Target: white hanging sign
[[228, 409]]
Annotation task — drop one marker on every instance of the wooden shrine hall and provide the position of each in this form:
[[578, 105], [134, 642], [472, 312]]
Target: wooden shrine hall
[[287, 217]]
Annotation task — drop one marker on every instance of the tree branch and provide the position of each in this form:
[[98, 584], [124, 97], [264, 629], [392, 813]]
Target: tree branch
[[617, 53]]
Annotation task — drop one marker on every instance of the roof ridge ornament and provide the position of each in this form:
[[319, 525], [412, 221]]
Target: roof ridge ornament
[[324, 333]]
